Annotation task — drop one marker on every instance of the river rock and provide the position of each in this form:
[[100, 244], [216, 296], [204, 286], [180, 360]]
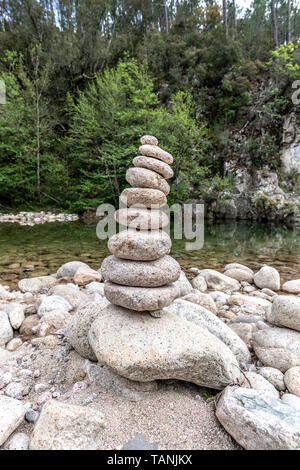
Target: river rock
[[69, 292], [292, 380], [14, 344], [53, 302], [210, 322], [140, 246], [140, 298], [155, 165], [293, 287], [156, 152], [6, 331], [204, 300], [160, 272], [219, 281], [258, 382], [15, 314], [53, 321], [274, 376], [12, 413], [258, 420], [95, 287], [141, 219], [242, 299], [291, 400], [69, 269], [199, 283], [277, 347], [238, 266], [80, 323], [267, 277], [62, 426], [285, 312], [143, 197], [149, 139], [239, 274], [143, 348], [30, 322], [183, 285], [143, 178], [244, 331], [84, 275], [35, 285]]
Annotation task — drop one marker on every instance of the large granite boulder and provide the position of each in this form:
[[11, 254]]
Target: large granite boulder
[[285, 312], [143, 348]]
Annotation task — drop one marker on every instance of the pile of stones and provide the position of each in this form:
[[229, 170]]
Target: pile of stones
[[140, 275], [35, 218]]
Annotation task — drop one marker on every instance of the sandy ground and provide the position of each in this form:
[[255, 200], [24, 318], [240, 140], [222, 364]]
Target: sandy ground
[[176, 415]]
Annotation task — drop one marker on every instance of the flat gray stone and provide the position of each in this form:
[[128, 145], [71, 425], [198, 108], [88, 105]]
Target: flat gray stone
[[69, 269], [144, 349], [140, 245], [143, 197], [140, 298], [202, 317], [156, 152], [144, 178], [160, 272], [141, 219]]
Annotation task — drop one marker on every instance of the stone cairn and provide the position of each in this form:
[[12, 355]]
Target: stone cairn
[[140, 275]]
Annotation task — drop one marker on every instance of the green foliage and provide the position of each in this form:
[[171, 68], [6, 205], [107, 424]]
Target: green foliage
[[263, 150]]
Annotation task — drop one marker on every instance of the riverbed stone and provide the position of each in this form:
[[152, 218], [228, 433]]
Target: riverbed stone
[[80, 323], [62, 426], [140, 298], [202, 317], [19, 441], [35, 285], [199, 283], [15, 314], [277, 347], [244, 331], [141, 219], [258, 382], [257, 420], [144, 178], [12, 413], [292, 380], [293, 287], [160, 272], [140, 245], [219, 281], [238, 266], [95, 287], [267, 277], [285, 312], [155, 165], [143, 348], [143, 197], [69, 292], [244, 300], [156, 152], [53, 302], [6, 331], [183, 285], [274, 376], [239, 274], [291, 400], [30, 322], [84, 275], [204, 300], [14, 344], [69, 269], [149, 140]]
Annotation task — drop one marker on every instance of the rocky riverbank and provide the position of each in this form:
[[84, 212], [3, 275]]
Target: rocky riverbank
[[48, 360], [34, 218]]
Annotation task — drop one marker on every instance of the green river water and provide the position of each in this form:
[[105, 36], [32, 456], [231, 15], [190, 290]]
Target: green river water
[[39, 250]]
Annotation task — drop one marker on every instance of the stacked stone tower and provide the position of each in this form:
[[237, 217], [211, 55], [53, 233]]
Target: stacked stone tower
[[140, 275]]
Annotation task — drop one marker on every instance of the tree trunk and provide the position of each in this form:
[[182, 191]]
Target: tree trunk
[[166, 17], [288, 32], [225, 22], [274, 23], [234, 19]]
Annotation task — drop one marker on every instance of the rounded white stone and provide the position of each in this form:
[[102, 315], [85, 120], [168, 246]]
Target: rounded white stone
[[140, 245]]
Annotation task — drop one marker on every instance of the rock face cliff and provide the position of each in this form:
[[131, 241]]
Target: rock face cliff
[[264, 191]]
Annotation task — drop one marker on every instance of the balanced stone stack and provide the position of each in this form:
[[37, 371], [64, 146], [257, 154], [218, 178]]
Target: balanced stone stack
[[140, 275]]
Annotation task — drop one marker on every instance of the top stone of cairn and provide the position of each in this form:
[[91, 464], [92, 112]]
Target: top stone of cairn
[[149, 140]]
